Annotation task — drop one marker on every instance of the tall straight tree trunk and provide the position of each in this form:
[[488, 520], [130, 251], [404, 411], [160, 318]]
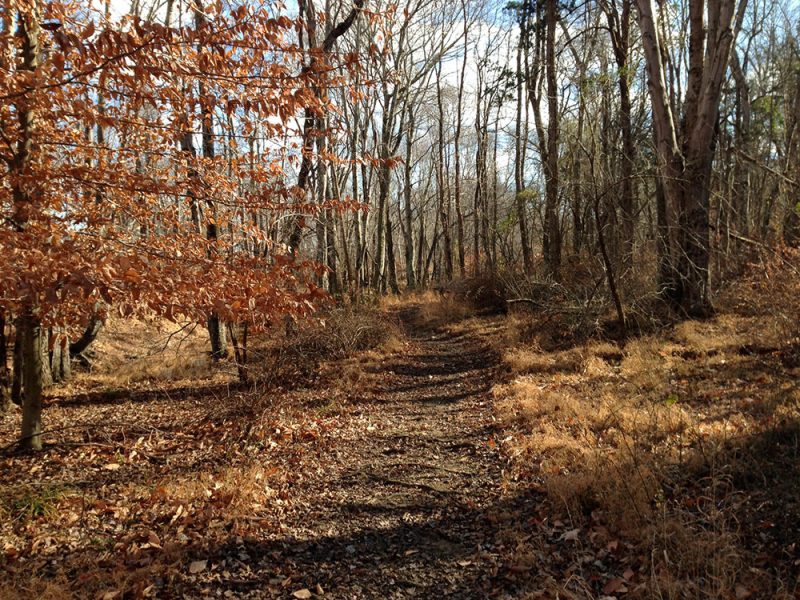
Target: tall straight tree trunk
[[519, 165], [335, 278], [476, 206], [216, 331], [16, 367], [24, 198], [740, 189], [325, 242], [578, 223], [444, 205], [494, 216], [380, 235], [409, 241], [32, 376], [791, 217], [391, 264], [316, 53], [457, 157], [384, 175], [479, 192], [421, 243], [5, 379], [365, 215], [483, 168], [552, 224], [619, 28]]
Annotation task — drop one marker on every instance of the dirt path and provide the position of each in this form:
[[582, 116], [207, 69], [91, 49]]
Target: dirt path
[[404, 507]]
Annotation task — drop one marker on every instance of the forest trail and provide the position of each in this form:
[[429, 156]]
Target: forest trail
[[403, 507]]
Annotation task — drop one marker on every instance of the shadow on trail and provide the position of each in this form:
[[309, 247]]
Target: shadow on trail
[[410, 510], [408, 559]]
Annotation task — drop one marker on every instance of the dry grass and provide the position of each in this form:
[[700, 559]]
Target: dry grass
[[159, 355], [444, 310], [684, 443], [39, 588], [436, 309], [144, 353]]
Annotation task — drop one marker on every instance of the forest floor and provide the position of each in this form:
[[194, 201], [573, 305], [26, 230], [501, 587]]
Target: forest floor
[[397, 492], [463, 457]]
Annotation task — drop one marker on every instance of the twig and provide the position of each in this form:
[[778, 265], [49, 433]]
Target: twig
[[764, 246]]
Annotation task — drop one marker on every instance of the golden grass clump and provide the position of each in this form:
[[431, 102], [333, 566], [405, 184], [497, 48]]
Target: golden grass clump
[[444, 310], [130, 352]]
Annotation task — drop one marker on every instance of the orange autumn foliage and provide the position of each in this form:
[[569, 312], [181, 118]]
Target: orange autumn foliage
[[143, 139]]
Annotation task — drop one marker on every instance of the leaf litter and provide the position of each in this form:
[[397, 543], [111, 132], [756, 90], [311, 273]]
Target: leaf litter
[[401, 492]]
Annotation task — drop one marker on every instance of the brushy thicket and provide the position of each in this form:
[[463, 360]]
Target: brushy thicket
[[577, 307], [679, 441], [291, 353], [345, 330]]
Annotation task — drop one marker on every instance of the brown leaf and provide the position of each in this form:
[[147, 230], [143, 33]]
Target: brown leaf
[[303, 594], [614, 585], [197, 566], [742, 592], [571, 535], [153, 539]]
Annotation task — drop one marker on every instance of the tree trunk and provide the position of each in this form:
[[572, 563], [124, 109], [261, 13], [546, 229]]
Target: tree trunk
[[24, 196], [31, 331], [619, 28], [391, 265], [791, 217], [216, 330], [384, 175], [58, 356], [552, 224], [686, 150], [5, 391], [17, 361], [409, 240], [519, 167], [444, 204], [87, 337], [462, 269]]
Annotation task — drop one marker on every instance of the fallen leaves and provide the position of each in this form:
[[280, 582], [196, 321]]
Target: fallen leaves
[[197, 566], [571, 535], [127, 489], [614, 586]]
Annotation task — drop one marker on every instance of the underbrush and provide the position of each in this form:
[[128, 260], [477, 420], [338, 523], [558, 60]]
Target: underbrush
[[682, 444], [294, 353], [132, 492], [131, 353], [160, 356]]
